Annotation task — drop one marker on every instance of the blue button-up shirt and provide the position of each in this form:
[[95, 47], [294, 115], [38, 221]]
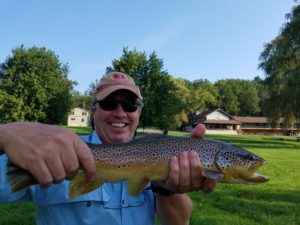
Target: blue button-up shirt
[[109, 205]]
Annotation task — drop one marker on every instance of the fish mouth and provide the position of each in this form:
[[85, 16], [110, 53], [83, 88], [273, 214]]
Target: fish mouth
[[245, 175], [255, 165], [252, 177]]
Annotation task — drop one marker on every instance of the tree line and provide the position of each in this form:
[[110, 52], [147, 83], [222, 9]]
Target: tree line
[[34, 86]]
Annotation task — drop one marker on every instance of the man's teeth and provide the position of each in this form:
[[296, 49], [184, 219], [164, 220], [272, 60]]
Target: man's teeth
[[118, 124]]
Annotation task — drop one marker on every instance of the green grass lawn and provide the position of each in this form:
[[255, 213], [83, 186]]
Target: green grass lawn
[[274, 203]]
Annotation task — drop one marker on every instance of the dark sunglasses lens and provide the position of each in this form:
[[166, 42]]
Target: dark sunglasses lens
[[128, 105], [108, 104]]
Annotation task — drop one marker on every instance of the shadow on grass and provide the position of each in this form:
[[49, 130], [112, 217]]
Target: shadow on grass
[[258, 142]]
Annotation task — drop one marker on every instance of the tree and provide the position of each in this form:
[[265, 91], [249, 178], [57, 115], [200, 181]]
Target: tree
[[228, 96], [203, 96], [158, 90], [36, 82], [248, 98], [238, 97], [262, 95], [183, 92], [280, 61]]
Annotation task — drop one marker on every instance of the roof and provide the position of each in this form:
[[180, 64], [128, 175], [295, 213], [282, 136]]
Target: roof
[[81, 109], [205, 113], [253, 119], [230, 122], [201, 118]]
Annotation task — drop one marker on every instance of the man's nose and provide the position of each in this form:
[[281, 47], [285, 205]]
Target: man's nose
[[119, 110]]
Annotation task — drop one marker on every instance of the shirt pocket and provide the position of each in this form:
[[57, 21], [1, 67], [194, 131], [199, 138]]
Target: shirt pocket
[[121, 198]]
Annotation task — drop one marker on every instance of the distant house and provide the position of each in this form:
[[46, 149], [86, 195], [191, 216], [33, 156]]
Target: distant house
[[219, 121], [255, 122], [79, 118], [260, 125], [216, 121]]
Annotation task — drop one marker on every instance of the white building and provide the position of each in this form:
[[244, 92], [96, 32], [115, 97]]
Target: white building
[[79, 118]]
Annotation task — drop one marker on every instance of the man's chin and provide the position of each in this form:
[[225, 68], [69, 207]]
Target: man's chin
[[118, 139]]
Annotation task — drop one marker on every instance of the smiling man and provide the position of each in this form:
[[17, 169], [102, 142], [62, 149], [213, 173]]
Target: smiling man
[[117, 108]]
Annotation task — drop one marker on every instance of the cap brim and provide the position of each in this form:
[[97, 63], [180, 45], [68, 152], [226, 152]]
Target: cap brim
[[108, 90]]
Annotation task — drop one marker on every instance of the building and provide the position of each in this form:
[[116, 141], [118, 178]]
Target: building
[[220, 122], [216, 121], [79, 118], [260, 125]]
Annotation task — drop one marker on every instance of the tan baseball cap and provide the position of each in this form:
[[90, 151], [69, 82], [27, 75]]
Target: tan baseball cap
[[114, 81]]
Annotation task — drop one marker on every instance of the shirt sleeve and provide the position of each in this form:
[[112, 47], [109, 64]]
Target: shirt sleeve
[[5, 191]]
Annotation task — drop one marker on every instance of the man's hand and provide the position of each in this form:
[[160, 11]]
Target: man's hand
[[185, 171], [50, 153]]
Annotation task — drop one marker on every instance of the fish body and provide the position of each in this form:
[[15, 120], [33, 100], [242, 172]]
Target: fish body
[[147, 159]]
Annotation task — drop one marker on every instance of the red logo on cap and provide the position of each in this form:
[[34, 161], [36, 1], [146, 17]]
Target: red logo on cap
[[119, 76]]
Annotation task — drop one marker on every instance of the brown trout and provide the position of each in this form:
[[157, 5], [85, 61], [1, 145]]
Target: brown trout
[[147, 159]]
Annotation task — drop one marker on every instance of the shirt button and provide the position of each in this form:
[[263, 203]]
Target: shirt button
[[89, 204]]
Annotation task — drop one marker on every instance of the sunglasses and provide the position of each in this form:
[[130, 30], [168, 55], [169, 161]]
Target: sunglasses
[[128, 105]]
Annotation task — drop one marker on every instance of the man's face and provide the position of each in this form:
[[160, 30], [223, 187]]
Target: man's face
[[117, 125]]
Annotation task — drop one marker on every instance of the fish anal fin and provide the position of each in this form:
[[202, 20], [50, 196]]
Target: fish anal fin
[[79, 185], [213, 174], [136, 185]]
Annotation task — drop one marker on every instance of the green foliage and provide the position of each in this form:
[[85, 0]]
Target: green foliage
[[227, 98], [203, 96], [11, 108], [159, 92], [34, 87], [81, 101], [281, 62], [238, 97]]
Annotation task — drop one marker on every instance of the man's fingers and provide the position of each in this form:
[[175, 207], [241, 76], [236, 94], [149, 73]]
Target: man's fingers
[[198, 131], [173, 180], [184, 179], [56, 168], [86, 159], [196, 175], [209, 185], [70, 163], [41, 173]]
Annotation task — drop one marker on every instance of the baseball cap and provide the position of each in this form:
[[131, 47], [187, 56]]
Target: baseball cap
[[114, 81]]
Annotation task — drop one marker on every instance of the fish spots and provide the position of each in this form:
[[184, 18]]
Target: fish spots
[[156, 151]]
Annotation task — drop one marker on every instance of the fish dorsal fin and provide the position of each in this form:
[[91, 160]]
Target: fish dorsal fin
[[136, 185]]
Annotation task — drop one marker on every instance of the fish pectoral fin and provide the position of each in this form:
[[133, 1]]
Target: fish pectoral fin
[[213, 174], [79, 185], [136, 185]]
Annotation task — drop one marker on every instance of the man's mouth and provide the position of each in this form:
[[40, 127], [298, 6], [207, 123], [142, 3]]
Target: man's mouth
[[119, 125]]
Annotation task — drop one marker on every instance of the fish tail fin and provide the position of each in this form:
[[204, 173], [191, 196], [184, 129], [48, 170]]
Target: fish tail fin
[[79, 185], [19, 178]]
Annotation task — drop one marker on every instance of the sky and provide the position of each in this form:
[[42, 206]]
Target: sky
[[196, 39]]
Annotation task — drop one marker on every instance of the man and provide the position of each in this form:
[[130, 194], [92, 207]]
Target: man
[[53, 154]]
